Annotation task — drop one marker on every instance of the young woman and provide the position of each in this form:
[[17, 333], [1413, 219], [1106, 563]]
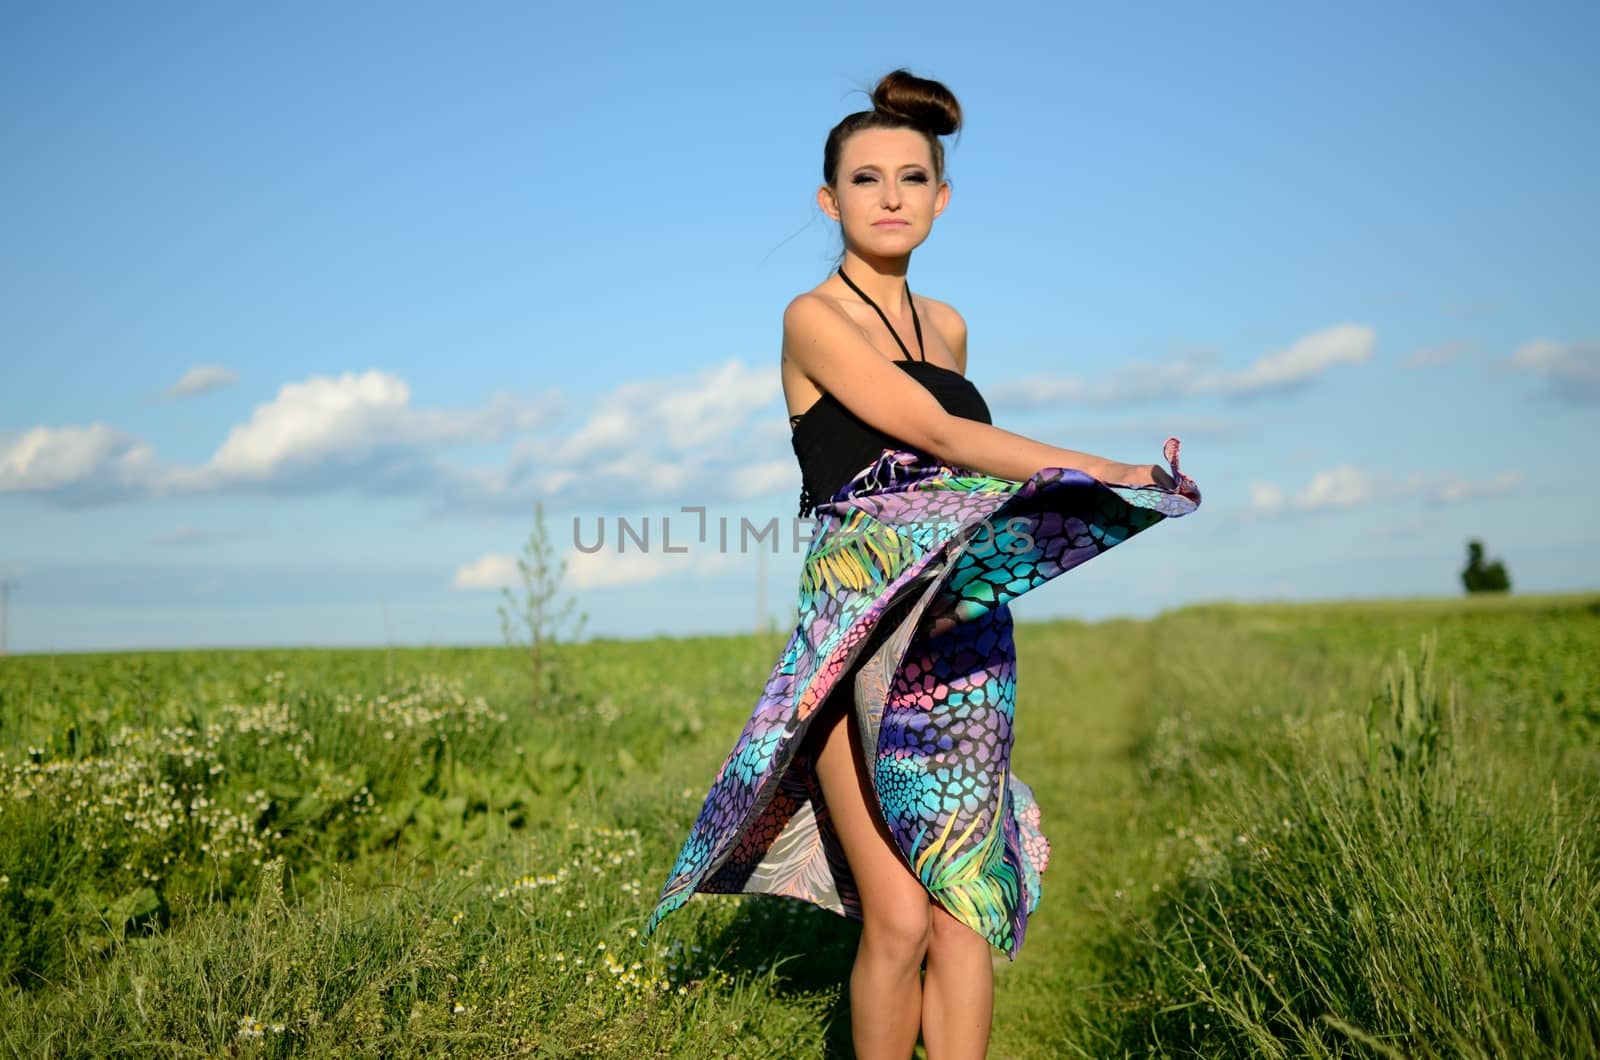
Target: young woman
[[873, 777]]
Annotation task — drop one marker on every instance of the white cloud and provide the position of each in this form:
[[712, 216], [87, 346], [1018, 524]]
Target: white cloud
[[607, 568], [755, 480], [608, 430], [600, 568], [1305, 359], [1348, 486], [1196, 374], [1572, 370], [693, 440], [77, 465], [689, 440], [722, 398], [671, 417], [200, 379], [1266, 497], [355, 430], [597, 570], [489, 571], [312, 420], [1452, 489], [364, 419], [1340, 487]]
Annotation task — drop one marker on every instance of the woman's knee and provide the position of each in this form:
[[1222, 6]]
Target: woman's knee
[[901, 932], [947, 932]]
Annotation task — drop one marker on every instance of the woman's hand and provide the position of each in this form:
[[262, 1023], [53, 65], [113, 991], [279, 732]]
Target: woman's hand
[[1141, 475]]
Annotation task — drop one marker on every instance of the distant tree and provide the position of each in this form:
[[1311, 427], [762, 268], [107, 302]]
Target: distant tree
[[1481, 577], [539, 619]]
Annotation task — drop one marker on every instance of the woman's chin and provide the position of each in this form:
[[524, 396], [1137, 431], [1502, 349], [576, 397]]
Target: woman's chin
[[890, 243]]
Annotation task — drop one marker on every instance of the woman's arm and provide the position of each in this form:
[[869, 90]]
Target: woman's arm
[[832, 352]]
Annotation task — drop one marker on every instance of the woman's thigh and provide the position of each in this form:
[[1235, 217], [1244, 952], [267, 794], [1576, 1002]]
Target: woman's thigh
[[892, 899]]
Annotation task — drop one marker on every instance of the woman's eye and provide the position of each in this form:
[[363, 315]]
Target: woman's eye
[[867, 178]]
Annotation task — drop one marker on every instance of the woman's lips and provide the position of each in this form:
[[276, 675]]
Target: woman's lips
[[890, 224]]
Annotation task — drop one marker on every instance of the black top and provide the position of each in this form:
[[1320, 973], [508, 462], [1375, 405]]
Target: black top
[[833, 444]]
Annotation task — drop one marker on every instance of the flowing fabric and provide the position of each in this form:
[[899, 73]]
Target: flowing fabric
[[903, 591]]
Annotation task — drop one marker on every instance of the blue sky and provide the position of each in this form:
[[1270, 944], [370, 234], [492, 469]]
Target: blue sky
[[302, 307]]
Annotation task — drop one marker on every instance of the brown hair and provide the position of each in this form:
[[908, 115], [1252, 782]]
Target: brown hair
[[900, 100]]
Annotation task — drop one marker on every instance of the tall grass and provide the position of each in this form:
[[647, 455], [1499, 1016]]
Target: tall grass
[[1277, 831], [1400, 878], [103, 836], [411, 871]]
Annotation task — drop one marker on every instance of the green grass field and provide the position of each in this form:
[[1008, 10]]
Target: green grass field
[[1358, 829]]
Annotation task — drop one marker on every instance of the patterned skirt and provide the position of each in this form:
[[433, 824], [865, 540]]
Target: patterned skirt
[[903, 595]]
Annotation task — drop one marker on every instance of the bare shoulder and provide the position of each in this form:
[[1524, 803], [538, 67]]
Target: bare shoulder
[[803, 308], [806, 314], [810, 323], [945, 317], [952, 328]]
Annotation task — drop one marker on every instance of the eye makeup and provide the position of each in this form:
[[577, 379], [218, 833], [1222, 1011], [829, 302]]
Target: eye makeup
[[862, 178]]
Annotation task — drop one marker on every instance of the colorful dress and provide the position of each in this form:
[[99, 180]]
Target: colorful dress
[[903, 592]]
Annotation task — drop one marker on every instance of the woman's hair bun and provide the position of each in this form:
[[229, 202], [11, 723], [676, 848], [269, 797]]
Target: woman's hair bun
[[924, 103], [900, 100]]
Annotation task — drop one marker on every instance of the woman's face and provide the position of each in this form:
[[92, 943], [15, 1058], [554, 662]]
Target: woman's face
[[885, 199]]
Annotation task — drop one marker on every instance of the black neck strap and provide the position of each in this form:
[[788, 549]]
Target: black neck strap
[[917, 323]]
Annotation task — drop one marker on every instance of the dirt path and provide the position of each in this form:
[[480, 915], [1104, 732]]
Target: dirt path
[[1081, 696]]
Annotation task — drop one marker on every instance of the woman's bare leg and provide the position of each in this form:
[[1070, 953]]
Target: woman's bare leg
[[958, 994], [886, 980]]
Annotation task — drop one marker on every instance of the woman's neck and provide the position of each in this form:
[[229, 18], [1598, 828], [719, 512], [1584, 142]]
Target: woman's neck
[[883, 279]]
